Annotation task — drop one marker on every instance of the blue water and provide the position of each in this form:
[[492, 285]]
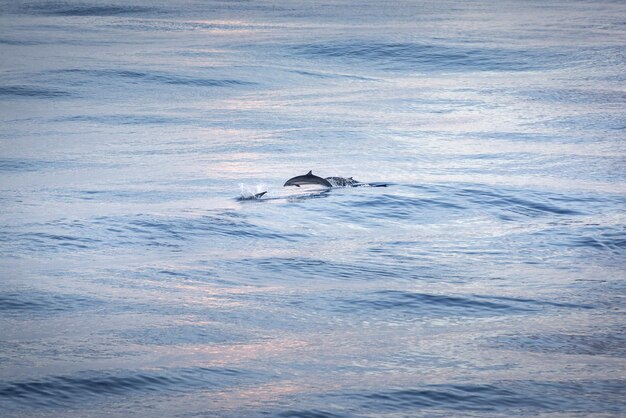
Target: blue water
[[487, 278]]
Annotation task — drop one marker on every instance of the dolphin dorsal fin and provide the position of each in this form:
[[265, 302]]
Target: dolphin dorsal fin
[[310, 173]]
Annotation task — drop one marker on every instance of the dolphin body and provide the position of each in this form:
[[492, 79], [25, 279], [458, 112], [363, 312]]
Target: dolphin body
[[310, 178]]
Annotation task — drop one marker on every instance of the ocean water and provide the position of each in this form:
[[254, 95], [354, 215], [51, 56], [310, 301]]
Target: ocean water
[[486, 279]]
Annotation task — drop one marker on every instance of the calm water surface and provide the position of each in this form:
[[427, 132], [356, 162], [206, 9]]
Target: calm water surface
[[486, 279]]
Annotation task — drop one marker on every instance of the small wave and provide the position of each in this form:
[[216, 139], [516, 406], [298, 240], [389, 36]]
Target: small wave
[[577, 96], [332, 75], [30, 302], [423, 304], [55, 241], [32, 92], [136, 230], [157, 77], [605, 239], [507, 203], [427, 305], [173, 231], [386, 206], [27, 165], [536, 302], [588, 396], [312, 413], [612, 345], [57, 391], [608, 121], [182, 334], [57, 8], [301, 267], [424, 57], [127, 119], [179, 228], [458, 397], [21, 42], [296, 268], [151, 25]]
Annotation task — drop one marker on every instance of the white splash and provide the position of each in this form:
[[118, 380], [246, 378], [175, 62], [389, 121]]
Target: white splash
[[252, 192]]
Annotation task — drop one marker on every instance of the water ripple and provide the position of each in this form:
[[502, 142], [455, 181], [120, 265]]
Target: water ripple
[[425, 57], [127, 119], [596, 396], [134, 76], [54, 391], [62, 8], [20, 303], [182, 228], [306, 268], [183, 334], [313, 413], [135, 230], [33, 92], [613, 345], [427, 305], [509, 202], [33, 165], [401, 207]]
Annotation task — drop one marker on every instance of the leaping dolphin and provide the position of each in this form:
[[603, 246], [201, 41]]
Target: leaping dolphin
[[308, 178]]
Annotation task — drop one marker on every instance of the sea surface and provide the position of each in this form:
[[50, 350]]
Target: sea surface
[[138, 277]]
